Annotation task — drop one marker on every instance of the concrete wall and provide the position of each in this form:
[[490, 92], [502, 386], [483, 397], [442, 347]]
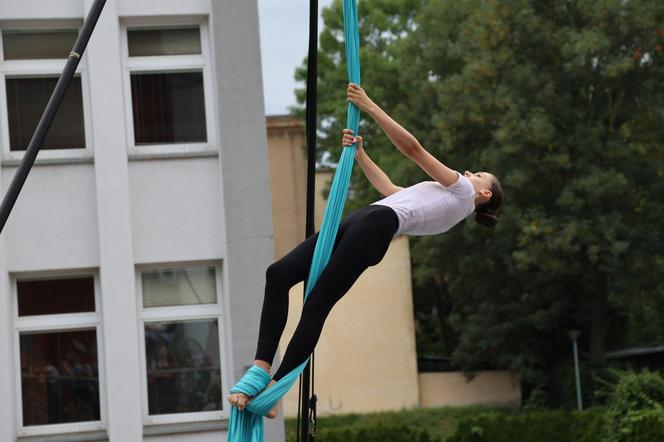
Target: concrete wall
[[288, 177], [109, 211], [454, 389], [7, 382]]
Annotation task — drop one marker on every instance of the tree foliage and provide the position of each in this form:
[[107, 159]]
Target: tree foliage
[[564, 101]]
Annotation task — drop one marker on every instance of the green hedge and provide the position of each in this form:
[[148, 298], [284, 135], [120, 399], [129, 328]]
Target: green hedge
[[378, 433], [593, 425], [537, 426], [636, 407], [649, 426], [556, 426], [634, 413], [412, 425]]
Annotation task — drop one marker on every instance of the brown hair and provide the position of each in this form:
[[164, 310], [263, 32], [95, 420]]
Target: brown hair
[[486, 214]]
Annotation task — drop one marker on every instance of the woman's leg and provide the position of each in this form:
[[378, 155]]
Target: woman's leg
[[294, 267], [279, 278], [363, 244]]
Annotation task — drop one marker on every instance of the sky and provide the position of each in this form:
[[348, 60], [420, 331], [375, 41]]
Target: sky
[[284, 28]]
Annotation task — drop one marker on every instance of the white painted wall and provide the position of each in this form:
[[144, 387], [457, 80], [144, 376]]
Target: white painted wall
[[114, 211], [7, 390], [40, 9], [179, 200], [119, 314], [54, 222], [133, 8]]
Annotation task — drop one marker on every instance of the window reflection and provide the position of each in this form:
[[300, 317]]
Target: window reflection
[[168, 107], [59, 377], [26, 99], [49, 297], [182, 362]]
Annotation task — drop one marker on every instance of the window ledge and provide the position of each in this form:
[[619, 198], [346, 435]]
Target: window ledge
[[94, 436], [136, 156], [188, 427], [46, 161]]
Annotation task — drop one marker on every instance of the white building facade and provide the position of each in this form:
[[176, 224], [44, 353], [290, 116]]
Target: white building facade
[[132, 266]]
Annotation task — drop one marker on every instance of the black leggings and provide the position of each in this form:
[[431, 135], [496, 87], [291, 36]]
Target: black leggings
[[363, 238]]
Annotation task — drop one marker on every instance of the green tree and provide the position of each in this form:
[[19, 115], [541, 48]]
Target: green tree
[[563, 101]]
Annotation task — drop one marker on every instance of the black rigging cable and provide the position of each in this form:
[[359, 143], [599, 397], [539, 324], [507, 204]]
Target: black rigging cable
[[49, 113], [307, 404]]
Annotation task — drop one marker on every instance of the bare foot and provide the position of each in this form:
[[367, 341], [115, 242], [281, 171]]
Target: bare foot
[[240, 400]]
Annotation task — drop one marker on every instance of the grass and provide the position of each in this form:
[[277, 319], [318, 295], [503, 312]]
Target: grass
[[440, 422]]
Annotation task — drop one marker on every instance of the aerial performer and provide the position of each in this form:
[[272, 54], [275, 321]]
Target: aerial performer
[[426, 208]]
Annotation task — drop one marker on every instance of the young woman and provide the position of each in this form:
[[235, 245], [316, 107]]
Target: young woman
[[426, 208]]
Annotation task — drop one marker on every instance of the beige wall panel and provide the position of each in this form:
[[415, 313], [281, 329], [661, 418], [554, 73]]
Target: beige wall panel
[[288, 180], [453, 389]]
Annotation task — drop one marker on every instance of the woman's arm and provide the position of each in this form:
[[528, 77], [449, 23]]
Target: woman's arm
[[374, 174], [402, 139]]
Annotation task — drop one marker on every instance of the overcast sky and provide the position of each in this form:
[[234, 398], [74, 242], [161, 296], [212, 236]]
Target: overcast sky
[[284, 28]]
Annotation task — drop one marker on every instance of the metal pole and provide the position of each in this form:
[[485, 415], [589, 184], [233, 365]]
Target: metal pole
[[49, 113], [579, 403], [311, 124], [574, 335]]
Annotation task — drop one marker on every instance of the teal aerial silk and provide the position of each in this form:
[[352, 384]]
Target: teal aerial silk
[[247, 425]]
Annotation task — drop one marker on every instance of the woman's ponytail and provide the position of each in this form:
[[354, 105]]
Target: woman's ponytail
[[487, 218], [486, 214]]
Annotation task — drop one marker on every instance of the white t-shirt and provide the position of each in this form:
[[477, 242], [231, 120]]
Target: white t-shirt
[[428, 208]]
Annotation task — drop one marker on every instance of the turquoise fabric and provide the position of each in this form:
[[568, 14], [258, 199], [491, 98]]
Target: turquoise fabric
[[253, 382], [247, 425]]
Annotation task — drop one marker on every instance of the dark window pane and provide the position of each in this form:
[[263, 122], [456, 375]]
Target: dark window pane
[[144, 42], [182, 361], [59, 377], [186, 286], [168, 108], [26, 100], [48, 297], [25, 45]]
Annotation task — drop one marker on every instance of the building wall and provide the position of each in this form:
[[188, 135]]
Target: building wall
[[454, 389], [366, 358], [288, 176], [112, 212]]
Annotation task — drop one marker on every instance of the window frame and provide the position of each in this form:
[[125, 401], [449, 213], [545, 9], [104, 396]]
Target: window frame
[[57, 323], [169, 64], [183, 313], [40, 68]]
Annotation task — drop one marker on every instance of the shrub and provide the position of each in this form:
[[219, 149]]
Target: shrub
[[538, 426], [413, 425], [593, 425], [377, 433], [635, 406]]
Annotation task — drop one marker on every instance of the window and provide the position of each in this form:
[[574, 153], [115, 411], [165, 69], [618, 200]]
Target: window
[[57, 332], [180, 328], [31, 63], [168, 89]]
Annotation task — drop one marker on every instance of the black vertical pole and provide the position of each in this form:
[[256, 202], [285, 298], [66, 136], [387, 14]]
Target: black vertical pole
[[311, 123], [49, 113]]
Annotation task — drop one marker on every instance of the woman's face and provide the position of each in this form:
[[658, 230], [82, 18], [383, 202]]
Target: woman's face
[[480, 180]]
